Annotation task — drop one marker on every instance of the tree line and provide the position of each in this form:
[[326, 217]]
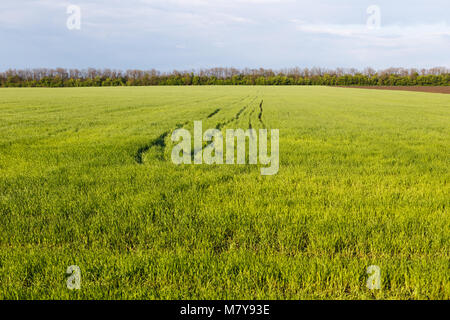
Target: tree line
[[60, 77]]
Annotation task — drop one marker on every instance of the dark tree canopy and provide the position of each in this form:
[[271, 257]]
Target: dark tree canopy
[[59, 77]]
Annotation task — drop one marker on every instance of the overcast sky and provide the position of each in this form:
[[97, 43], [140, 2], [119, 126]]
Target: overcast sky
[[191, 34]]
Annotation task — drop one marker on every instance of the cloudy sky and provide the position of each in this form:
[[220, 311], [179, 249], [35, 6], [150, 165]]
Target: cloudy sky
[[191, 34]]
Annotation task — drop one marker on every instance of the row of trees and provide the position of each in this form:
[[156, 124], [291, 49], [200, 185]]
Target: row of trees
[[60, 77]]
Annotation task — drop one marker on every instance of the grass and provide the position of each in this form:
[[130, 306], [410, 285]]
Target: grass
[[86, 179]]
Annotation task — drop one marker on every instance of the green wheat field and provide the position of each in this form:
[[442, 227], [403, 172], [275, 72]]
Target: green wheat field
[[86, 179]]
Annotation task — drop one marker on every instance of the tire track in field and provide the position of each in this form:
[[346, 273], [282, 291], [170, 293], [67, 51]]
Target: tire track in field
[[220, 125], [160, 141], [214, 113], [261, 110], [260, 114], [236, 117]]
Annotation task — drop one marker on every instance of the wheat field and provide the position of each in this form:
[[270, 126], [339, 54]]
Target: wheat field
[[86, 179]]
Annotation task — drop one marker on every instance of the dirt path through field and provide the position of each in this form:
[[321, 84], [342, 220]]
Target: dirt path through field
[[445, 90]]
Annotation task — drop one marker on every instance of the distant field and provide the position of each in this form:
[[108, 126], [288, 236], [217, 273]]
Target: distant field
[[433, 89], [86, 179]]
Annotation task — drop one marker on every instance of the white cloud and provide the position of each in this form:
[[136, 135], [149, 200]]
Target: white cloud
[[359, 30], [183, 33]]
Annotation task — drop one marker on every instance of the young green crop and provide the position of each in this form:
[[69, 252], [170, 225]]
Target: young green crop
[[86, 179]]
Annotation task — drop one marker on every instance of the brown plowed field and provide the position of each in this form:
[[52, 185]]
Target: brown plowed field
[[419, 89]]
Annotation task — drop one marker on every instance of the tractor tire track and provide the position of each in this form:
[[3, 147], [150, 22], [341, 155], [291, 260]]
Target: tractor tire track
[[236, 117], [261, 114], [220, 125], [160, 141], [214, 113]]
